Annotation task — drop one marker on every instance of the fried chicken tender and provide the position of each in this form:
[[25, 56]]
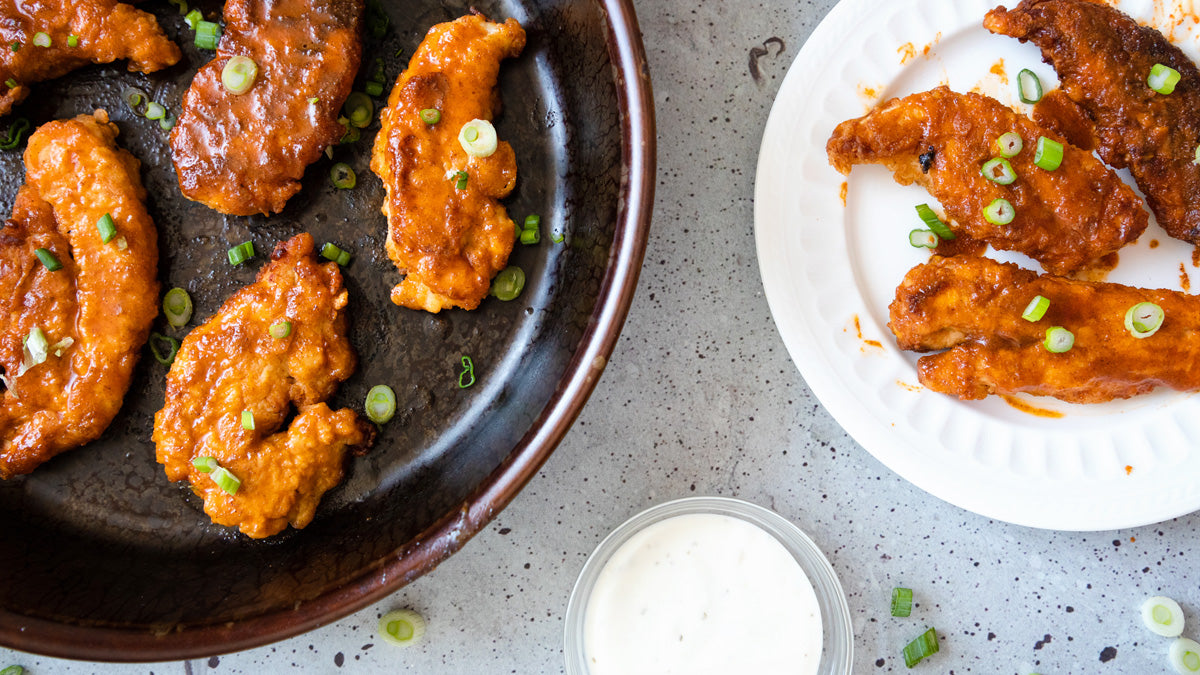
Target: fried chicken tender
[[95, 311], [972, 308], [449, 242], [232, 364], [940, 139], [1103, 59], [244, 154], [105, 31]]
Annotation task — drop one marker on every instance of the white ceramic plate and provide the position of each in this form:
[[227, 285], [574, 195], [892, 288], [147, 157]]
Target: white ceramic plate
[[831, 263]]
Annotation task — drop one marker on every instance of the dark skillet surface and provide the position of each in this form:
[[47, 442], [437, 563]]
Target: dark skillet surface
[[99, 537]]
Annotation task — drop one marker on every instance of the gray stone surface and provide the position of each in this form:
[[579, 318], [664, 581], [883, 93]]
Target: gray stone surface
[[701, 399]]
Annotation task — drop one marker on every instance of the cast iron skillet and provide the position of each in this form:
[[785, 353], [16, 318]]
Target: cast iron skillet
[[102, 558]]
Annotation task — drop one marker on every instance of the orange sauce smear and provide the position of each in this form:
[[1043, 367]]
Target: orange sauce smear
[[907, 52], [1185, 282], [1029, 409], [1154, 244], [998, 70], [909, 387], [1128, 469], [844, 191]]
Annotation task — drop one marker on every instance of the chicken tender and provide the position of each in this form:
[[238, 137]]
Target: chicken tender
[[104, 30], [940, 139], [448, 240], [1103, 59], [95, 312], [233, 365], [972, 308], [244, 154]]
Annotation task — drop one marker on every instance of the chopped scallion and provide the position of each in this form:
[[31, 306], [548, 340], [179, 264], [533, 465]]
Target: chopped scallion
[[16, 46], [1058, 340], [901, 601], [1029, 87], [11, 83], [13, 670], [1163, 79], [402, 627], [466, 378], [557, 236], [155, 111], [164, 348], [241, 253], [15, 133], [1197, 160], [431, 116], [359, 109], [167, 123], [373, 88], [1163, 616], [381, 404], [35, 350], [530, 237], [508, 283], [313, 100], [1009, 144], [205, 464], [460, 180], [1184, 656], [72, 40], [331, 251], [934, 223], [134, 98], [106, 227], [193, 18], [181, 4], [41, 39], [999, 171], [925, 645], [1036, 309], [239, 74], [1049, 154], [1144, 319], [999, 212], [208, 34], [342, 176], [177, 305], [61, 346], [478, 138], [247, 420], [47, 257], [922, 239], [532, 221], [281, 330], [226, 480]]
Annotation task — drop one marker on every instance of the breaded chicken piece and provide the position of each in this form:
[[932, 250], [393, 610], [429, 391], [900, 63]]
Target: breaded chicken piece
[[105, 31], [243, 154], [1103, 59], [449, 242], [940, 139], [232, 364], [95, 311], [972, 308]]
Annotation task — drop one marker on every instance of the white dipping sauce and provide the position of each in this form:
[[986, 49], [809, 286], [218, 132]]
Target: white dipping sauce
[[702, 593]]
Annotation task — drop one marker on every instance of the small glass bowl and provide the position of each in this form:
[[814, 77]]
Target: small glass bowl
[[837, 651]]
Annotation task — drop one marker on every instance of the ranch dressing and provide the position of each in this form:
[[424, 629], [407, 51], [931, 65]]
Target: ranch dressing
[[702, 593]]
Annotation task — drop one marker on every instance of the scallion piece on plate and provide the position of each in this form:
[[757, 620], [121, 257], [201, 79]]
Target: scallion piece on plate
[[359, 109], [331, 251], [12, 84], [1163, 616], [281, 330], [134, 98], [155, 111], [1144, 319], [999, 171], [530, 237], [1009, 144], [381, 404], [106, 227], [164, 348], [342, 176], [248, 420], [1184, 656], [999, 212], [167, 123], [532, 221], [431, 116], [1036, 309], [901, 601], [15, 133], [177, 306], [72, 40], [241, 253], [193, 18], [208, 34], [460, 180], [35, 350], [41, 39], [508, 283], [466, 377], [925, 645], [352, 133], [557, 236], [1162, 78], [205, 464], [1058, 340], [478, 138], [226, 480], [1029, 87], [934, 223], [922, 239], [1049, 154], [373, 88], [402, 627], [47, 257], [181, 4], [239, 74]]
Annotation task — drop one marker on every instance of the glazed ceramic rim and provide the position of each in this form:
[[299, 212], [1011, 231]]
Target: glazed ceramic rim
[[446, 536], [838, 635]]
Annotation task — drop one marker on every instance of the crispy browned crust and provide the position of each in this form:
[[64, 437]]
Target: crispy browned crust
[[244, 154], [1065, 219], [104, 298], [448, 242], [1103, 58], [972, 308]]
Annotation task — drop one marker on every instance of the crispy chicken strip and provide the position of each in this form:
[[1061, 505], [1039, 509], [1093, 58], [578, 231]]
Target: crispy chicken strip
[[972, 307], [940, 140], [105, 31], [232, 364], [1103, 58], [449, 242], [95, 312], [243, 154]]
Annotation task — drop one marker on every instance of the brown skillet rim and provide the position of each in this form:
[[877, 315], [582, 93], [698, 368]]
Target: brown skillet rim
[[455, 528]]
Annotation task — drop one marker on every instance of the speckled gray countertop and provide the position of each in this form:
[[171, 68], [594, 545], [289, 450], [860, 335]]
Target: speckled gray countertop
[[701, 398]]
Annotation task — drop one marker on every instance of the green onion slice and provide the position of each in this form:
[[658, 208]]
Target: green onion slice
[[466, 378], [508, 284], [998, 170], [530, 236], [193, 18], [13, 670], [167, 123], [1162, 78], [359, 109], [106, 227], [431, 116], [241, 253], [901, 601], [351, 136], [402, 627], [1029, 87], [313, 100], [226, 480], [135, 98], [61, 346], [16, 46], [205, 464], [478, 138], [164, 348], [1197, 160], [925, 645], [331, 251], [373, 88], [239, 74], [281, 330], [15, 133], [208, 34], [35, 350], [41, 39], [342, 176], [460, 180], [1049, 153], [181, 4], [999, 212], [1144, 319], [1163, 616], [1009, 144], [177, 305], [557, 236], [155, 111], [1058, 340], [532, 221], [72, 40], [11, 83], [381, 404], [47, 257], [248, 420], [934, 223], [1184, 656], [1036, 309], [922, 239]]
